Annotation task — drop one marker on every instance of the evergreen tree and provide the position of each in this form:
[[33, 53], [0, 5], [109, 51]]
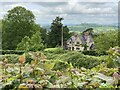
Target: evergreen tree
[[55, 35]]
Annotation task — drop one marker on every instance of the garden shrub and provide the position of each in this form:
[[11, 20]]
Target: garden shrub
[[78, 59], [31, 44], [90, 52], [105, 40], [114, 57], [19, 52]]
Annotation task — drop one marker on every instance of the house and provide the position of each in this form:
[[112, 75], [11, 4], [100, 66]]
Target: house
[[75, 43], [81, 43]]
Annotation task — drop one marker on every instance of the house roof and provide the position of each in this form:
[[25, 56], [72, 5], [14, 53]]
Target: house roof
[[89, 29]]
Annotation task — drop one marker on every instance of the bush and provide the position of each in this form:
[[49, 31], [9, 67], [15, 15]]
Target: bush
[[91, 52], [114, 57], [31, 44], [78, 59], [106, 40], [19, 52]]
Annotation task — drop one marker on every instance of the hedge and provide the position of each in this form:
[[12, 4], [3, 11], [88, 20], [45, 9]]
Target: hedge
[[78, 59], [19, 52]]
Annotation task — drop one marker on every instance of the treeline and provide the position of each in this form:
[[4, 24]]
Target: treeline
[[19, 31]]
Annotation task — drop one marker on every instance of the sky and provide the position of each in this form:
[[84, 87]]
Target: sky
[[74, 12]]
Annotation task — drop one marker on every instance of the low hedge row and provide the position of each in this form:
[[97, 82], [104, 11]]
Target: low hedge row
[[91, 52], [19, 52], [94, 53], [78, 59], [59, 50]]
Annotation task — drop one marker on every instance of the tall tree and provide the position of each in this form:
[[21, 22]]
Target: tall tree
[[43, 32], [17, 24], [105, 40], [54, 38], [44, 35], [66, 34]]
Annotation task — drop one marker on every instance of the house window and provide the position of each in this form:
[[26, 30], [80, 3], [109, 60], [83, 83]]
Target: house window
[[78, 42], [72, 48], [69, 48], [77, 48]]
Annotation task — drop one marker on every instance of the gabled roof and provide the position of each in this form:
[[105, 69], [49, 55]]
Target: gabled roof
[[89, 29]]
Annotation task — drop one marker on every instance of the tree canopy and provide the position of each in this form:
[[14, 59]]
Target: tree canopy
[[18, 23], [31, 44], [106, 40], [56, 32]]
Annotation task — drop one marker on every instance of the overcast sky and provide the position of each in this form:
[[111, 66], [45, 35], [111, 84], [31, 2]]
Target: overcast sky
[[73, 11]]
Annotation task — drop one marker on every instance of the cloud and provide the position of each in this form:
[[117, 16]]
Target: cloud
[[73, 7], [58, 0], [71, 10]]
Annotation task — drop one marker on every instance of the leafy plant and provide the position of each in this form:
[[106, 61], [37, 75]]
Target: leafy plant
[[41, 73], [31, 44], [114, 57]]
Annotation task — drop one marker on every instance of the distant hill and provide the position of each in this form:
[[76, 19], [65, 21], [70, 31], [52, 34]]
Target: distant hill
[[81, 27], [96, 28]]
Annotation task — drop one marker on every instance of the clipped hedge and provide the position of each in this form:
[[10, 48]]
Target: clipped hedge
[[19, 52], [78, 59], [91, 52], [94, 53]]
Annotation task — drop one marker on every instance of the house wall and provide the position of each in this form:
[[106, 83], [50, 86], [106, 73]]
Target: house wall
[[75, 43]]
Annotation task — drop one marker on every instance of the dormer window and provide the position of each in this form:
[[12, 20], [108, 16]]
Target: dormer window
[[78, 42]]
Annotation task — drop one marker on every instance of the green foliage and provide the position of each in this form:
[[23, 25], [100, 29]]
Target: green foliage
[[90, 52], [31, 44], [19, 52], [44, 36], [17, 23], [106, 40], [12, 58], [43, 33], [114, 57], [78, 59], [36, 42], [66, 34], [55, 35], [40, 74], [24, 44]]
